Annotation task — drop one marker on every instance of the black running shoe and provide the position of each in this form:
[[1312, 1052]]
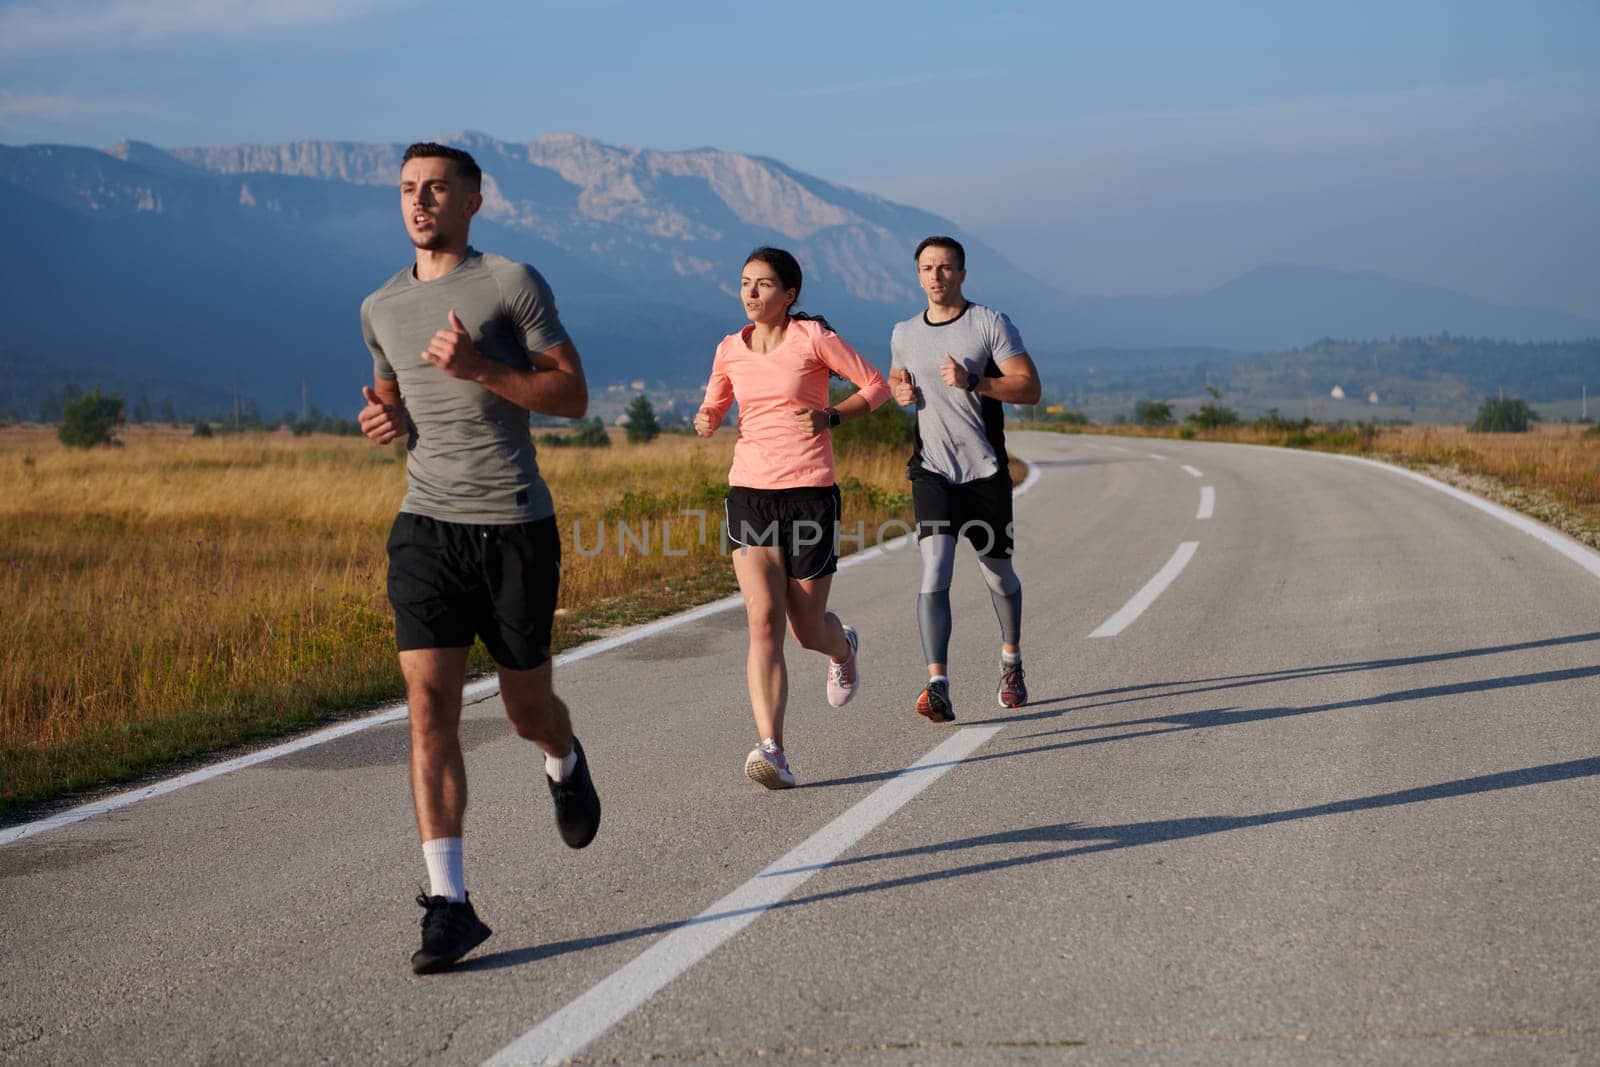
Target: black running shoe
[[449, 931], [577, 804]]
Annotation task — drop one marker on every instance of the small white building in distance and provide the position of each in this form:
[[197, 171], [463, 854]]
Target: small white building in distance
[[1372, 397], [1337, 393]]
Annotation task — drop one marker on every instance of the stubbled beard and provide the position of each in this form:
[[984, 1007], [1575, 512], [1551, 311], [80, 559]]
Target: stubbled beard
[[431, 242]]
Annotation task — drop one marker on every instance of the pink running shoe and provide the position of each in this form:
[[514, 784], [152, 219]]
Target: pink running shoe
[[843, 677], [767, 765]]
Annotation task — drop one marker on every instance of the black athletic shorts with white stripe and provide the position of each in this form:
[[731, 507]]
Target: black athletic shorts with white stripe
[[979, 510], [802, 523], [450, 582]]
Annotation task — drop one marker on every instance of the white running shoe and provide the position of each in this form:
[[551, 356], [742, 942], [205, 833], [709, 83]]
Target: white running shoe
[[843, 677], [767, 765]]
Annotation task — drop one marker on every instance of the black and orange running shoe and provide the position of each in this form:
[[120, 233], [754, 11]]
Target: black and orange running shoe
[[934, 703]]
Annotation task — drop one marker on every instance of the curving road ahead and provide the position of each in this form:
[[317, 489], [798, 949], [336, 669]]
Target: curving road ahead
[[1312, 770]]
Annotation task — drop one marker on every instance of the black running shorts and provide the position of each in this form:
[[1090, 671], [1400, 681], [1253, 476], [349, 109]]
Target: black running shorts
[[979, 510], [803, 524], [450, 582]]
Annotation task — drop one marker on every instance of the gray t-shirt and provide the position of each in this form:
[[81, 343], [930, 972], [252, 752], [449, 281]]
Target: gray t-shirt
[[471, 457], [960, 435]]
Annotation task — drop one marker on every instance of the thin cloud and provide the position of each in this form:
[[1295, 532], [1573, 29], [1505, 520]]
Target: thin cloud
[[54, 107], [902, 82], [110, 25], [39, 106]]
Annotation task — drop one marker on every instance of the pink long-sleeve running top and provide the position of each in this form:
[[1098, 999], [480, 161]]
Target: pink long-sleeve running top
[[771, 387]]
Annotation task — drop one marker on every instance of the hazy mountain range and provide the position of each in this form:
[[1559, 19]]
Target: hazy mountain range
[[206, 265]]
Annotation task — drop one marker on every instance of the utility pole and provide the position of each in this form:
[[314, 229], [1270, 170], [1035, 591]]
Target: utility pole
[[304, 413], [1585, 403], [236, 399]]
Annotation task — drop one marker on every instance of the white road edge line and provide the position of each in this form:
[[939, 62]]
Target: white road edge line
[[1192, 472], [1156, 455], [569, 1030], [478, 690], [1147, 596], [1208, 501], [1573, 549]]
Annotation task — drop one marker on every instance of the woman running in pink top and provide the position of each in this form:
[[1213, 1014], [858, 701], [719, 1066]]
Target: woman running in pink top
[[783, 505]]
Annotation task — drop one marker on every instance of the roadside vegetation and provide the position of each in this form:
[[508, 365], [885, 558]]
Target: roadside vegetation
[[180, 594]]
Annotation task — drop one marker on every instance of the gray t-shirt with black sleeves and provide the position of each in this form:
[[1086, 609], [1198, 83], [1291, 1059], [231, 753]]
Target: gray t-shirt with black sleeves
[[960, 436], [471, 456]]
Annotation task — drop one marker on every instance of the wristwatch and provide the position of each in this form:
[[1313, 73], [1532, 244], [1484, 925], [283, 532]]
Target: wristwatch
[[972, 381], [833, 417]]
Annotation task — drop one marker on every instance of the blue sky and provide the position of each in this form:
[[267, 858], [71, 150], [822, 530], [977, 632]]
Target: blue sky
[[1108, 148]]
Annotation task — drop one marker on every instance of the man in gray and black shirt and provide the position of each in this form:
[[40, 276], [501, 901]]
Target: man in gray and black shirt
[[958, 362], [464, 345]]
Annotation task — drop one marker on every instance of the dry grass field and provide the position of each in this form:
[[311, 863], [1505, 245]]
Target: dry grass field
[[177, 595]]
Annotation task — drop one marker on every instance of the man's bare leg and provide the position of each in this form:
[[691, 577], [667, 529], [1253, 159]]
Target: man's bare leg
[[538, 715], [434, 677]]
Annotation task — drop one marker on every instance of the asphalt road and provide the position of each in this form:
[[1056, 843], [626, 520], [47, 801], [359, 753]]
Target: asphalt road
[[1333, 796]]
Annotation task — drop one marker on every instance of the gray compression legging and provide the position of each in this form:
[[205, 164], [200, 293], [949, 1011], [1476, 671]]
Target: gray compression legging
[[933, 602]]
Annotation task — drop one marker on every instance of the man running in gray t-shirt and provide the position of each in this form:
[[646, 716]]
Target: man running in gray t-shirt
[[958, 362], [464, 345]]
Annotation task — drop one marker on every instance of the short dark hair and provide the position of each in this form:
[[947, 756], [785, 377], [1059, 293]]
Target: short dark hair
[[466, 166], [942, 242]]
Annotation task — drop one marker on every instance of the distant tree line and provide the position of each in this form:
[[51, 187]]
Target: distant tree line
[[88, 419], [1443, 370]]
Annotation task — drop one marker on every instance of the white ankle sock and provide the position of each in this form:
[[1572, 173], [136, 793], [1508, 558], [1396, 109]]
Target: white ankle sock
[[1010, 659], [945, 678], [559, 769], [445, 877]]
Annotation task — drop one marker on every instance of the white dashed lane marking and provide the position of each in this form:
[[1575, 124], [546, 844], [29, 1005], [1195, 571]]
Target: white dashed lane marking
[[569, 1030], [1147, 596]]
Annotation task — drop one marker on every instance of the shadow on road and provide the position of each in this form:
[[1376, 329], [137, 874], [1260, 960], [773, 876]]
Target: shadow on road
[[1090, 839], [1128, 835], [1179, 722], [1084, 840], [1194, 686], [1197, 720]]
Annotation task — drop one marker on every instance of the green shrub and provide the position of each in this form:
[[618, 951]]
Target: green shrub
[[1153, 413], [643, 426], [1275, 423], [1213, 416], [1503, 416], [90, 420], [889, 425], [589, 433]]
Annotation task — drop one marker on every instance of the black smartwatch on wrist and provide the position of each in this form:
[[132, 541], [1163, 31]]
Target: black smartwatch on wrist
[[972, 381], [833, 417]]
